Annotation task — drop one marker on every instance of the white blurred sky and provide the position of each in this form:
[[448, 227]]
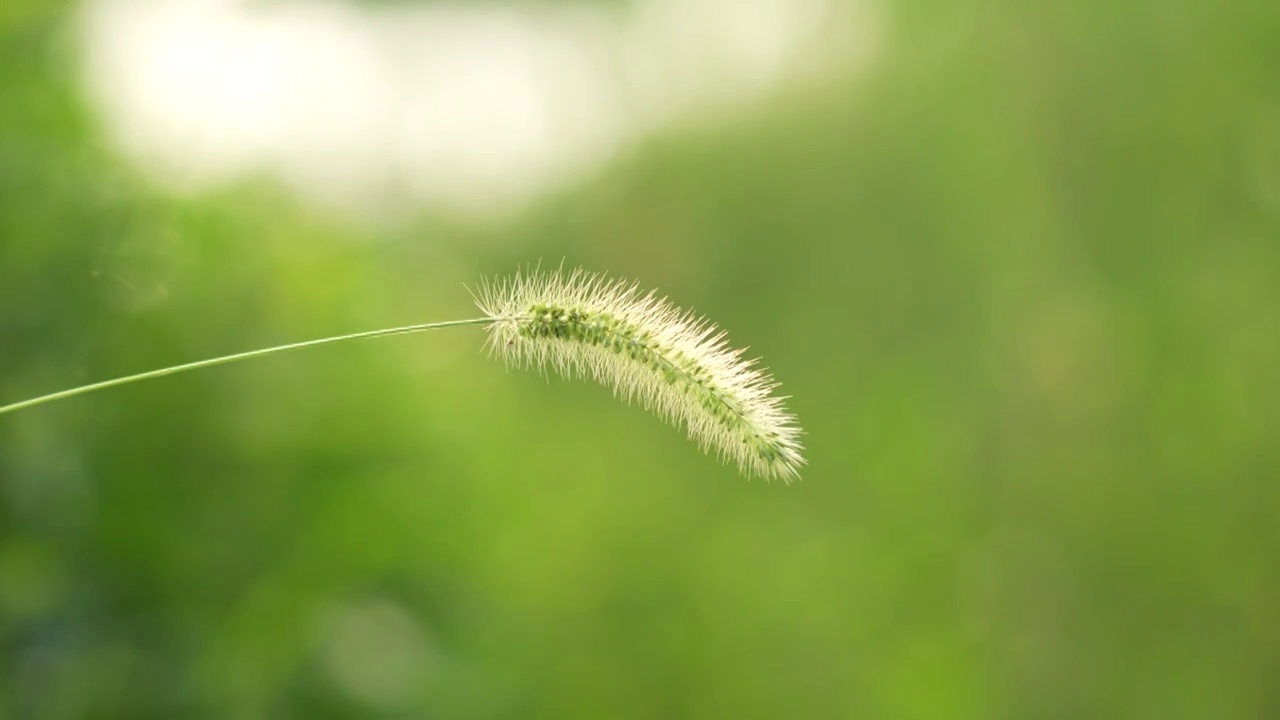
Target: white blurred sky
[[476, 107]]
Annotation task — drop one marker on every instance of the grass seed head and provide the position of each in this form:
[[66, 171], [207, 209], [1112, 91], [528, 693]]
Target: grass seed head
[[645, 349]]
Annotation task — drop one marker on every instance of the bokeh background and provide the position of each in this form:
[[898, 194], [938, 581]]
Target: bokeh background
[[1017, 264]]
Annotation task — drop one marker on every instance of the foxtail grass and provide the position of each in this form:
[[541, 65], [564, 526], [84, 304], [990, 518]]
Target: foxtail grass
[[675, 363]]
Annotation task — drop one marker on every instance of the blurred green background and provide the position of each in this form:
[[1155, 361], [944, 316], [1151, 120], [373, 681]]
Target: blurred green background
[[1021, 279]]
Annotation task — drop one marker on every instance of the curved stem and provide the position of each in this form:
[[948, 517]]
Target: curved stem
[[234, 358]]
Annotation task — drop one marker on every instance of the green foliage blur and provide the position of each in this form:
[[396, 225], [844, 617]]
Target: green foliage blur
[[1021, 280]]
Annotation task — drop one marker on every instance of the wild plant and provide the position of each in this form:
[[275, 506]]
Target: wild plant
[[641, 346]]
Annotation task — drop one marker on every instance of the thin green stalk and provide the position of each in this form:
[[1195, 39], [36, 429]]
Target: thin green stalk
[[235, 358]]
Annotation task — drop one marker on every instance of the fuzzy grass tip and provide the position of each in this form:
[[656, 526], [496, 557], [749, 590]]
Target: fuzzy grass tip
[[673, 362]]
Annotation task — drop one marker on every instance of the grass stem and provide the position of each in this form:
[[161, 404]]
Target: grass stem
[[235, 358]]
